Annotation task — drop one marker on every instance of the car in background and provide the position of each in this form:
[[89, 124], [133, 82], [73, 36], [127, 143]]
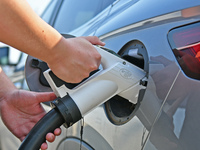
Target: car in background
[[160, 37]]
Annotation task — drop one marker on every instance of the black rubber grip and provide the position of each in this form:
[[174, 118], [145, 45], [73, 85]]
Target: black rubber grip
[[33, 141]]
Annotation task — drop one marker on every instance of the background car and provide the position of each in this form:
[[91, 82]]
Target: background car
[[162, 38]]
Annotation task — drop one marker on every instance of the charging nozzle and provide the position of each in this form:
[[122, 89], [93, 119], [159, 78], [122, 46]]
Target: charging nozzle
[[117, 77]]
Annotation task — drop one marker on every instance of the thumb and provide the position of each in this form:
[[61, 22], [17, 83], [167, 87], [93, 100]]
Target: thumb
[[94, 40]]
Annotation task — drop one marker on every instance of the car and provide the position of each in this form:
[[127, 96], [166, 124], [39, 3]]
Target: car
[[162, 38]]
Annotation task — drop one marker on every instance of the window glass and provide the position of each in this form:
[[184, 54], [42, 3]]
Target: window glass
[[77, 12], [4, 55], [49, 11]]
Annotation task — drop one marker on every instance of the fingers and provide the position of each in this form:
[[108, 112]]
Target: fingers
[[94, 40], [45, 96], [76, 53], [57, 131], [50, 137], [44, 146], [22, 138]]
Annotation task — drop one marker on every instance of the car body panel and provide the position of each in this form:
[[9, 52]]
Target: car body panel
[[167, 110]]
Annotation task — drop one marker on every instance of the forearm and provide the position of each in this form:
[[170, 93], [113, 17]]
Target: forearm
[[23, 29]]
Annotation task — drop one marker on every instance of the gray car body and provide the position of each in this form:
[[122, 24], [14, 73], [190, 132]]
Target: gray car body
[[167, 114]]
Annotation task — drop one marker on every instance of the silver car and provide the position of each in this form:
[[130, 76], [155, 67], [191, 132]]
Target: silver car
[[163, 39]]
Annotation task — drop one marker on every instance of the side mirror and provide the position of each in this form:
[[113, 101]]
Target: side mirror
[[9, 56], [4, 55]]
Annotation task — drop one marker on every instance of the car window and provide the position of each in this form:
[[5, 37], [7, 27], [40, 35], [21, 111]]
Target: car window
[[39, 5], [77, 12], [4, 55], [46, 16]]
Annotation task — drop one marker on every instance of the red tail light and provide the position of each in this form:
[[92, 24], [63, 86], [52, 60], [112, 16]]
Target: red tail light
[[185, 43]]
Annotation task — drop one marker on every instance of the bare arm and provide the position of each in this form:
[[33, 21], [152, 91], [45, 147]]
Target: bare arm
[[70, 59], [25, 30]]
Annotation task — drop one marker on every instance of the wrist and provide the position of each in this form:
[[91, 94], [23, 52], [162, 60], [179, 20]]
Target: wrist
[[56, 53]]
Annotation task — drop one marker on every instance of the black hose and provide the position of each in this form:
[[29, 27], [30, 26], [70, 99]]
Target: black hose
[[64, 110], [33, 141]]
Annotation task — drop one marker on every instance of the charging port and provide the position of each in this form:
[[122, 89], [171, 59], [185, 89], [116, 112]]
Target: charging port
[[119, 110]]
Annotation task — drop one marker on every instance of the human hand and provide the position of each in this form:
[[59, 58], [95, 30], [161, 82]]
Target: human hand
[[75, 58], [21, 110]]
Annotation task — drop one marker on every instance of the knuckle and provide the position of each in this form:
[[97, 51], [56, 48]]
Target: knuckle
[[85, 75], [93, 67], [98, 56], [95, 38], [77, 80]]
